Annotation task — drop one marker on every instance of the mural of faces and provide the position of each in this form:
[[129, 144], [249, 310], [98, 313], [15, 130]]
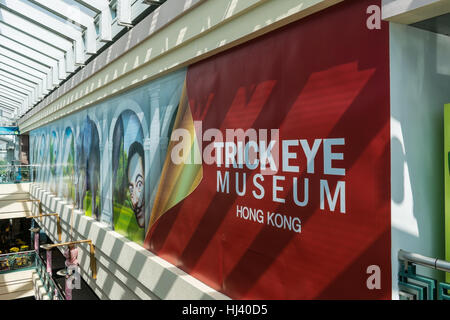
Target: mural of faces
[[87, 181], [42, 159], [68, 166], [53, 159], [129, 176], [136, 174], [95, 158]]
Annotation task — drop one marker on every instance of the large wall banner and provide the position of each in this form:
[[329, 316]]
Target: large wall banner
[[292, 196], [263, 171], [107, 159]]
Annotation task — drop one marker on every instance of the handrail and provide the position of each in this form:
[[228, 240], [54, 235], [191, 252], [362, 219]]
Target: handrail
[[15, 253], [14, 261], [44, 276], [19, 165], [58, 220], [425, 261], [17, 173], [19, 200], [93, 262]]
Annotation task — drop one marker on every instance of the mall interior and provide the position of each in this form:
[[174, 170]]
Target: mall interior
[[224, 149]]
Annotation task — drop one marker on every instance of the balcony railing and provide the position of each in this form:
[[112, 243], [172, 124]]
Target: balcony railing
[[50, 285], [17, 173], [29, 260], [413, 286], [17, 261]]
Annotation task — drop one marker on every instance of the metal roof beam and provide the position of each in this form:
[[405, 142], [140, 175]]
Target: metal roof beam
[[101, 7], [22, 67], [36, 45], [47, 37], [5, 93], [13, 110], [23, 50], [8, 103], [41, 85], [8, 78], [19, 94], [20, 74], [6, 99], [17, 89], [25, 71], [10, 109], [49, 22], [34, 96], [124, 12], [34, 30], [25, 60], [39, 92], [74, 15]]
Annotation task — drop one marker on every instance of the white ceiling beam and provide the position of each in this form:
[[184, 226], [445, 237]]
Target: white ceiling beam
[[23, 67], [11, 100], [101, 7], [24, 72], [9, 108], [16, 82], [7, 100], [31, 41], [6, 54], [124, 12], [49, 22], [17, 89], [25, 60], [22, 75], [3, 93], [74, 15], [12, 97], [12, 78], [19, 73], [24, 96], [36, 45], [19, 94], [7, 105], [47, 37], [19, 48]]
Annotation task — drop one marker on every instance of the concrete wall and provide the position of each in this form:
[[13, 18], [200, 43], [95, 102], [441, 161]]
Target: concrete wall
[[420, 82], [9, 206], [16, 285], [39, 291], [411, 11], [125, 270]]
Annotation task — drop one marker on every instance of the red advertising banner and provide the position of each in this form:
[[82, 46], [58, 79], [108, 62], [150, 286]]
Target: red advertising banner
[[296, 204]]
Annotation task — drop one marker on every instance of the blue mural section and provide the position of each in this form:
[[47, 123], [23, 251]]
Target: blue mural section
[[107, 159]]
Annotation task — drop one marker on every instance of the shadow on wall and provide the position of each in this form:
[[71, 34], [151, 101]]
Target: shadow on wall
[[419, 90]]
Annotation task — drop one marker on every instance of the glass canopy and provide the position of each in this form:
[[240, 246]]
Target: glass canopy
[[43, 42]]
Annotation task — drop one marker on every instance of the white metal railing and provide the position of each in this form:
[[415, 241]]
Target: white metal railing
[[17, 173], [419, 259]]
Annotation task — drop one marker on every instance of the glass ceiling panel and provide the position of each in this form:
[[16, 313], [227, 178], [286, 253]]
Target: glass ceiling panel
[[43, 42]]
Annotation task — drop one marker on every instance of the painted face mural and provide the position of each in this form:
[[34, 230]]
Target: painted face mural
[[42, 159], [128, 177], [34, 153], [53, 159], [87, 181], [136, 173], [113, 134], [68, 165]]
